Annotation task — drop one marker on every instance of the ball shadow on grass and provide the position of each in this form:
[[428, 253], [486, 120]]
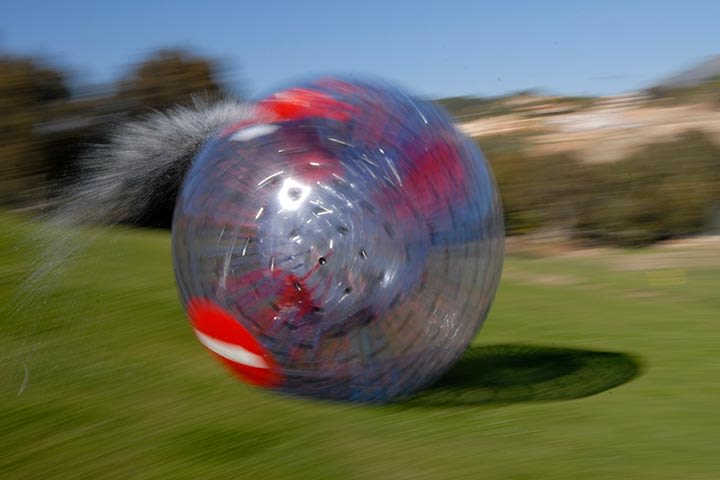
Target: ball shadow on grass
[[504, 374]]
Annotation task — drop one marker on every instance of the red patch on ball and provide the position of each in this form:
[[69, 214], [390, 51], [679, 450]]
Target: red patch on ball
[[232, 344]]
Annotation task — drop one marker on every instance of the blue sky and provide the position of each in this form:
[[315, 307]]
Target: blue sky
[[432, 48]]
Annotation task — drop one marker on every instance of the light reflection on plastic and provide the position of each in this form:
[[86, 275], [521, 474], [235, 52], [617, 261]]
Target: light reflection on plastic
[[293, 194]]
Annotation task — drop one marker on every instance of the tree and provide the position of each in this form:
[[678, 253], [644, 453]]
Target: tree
[[28, 93], [168, 78], [664, 190]]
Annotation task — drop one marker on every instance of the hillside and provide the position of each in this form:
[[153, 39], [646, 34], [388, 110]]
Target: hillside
[[591, 365], [592, 130], [701, 72]]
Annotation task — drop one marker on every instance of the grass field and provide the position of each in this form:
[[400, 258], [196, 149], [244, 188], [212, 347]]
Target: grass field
[[596, 365]]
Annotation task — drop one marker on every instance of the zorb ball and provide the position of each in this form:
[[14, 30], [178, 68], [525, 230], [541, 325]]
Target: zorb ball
[[343, 243]]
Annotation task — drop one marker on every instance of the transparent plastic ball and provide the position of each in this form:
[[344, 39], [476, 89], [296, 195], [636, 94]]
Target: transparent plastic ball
[[344, 243]]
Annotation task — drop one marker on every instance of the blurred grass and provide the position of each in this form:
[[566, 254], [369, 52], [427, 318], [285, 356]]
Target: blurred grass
[[100, 377]]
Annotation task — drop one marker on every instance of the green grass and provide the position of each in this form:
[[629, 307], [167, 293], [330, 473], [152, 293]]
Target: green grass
[[597, 366]]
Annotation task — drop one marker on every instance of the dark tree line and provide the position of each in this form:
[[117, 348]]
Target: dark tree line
[[663, 191], [44, 127]]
